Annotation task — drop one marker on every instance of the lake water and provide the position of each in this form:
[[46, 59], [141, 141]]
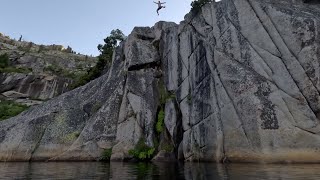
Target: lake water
[[118, 170]]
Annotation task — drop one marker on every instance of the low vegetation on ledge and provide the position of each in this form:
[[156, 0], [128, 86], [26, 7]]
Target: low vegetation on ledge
[[142, 152], [10, 109], [6, 68]]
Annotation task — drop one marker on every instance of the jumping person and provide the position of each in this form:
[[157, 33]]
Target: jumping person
[[159, 6]]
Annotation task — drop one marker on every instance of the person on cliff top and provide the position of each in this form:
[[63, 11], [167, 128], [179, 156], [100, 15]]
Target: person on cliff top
[[159, 6]]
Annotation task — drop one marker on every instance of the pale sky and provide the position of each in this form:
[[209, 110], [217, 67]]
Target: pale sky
[[82, 24]]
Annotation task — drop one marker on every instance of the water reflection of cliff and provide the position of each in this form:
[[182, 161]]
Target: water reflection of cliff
[[189, 171]]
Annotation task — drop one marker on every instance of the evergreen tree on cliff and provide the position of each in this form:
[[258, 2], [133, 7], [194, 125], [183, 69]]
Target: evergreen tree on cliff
[[197, 4], [106, 50], [104, 59]]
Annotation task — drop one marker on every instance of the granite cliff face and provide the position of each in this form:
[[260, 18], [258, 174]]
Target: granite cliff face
[[38, 72], [238, 82]]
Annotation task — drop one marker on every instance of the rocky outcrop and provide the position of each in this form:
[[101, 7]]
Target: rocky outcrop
[[39, 72], [49, 130], [238, 82]]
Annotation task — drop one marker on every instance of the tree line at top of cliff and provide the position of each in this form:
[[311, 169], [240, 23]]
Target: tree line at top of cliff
[[196, 5]]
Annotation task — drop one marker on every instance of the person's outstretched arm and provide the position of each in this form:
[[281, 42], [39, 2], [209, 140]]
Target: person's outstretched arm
[[163, 3], [155, 2]]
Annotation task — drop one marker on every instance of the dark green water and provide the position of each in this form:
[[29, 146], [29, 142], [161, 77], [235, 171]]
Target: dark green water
[[94, 170]]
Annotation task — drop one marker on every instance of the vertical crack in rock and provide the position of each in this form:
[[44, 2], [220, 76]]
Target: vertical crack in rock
[[178, 137], [221, 152], [38, 142], [235, 108], [15, 150]]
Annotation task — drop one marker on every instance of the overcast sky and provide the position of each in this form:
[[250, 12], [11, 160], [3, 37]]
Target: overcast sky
[[82, 24]]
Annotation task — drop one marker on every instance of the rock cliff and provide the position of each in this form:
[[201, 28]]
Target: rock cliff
[[237, 82], [38, 72]]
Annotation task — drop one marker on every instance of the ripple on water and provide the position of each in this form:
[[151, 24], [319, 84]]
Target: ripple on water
[[119, 170]]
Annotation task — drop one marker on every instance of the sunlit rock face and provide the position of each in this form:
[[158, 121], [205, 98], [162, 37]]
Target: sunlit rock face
[[253, 79], [237, 82]]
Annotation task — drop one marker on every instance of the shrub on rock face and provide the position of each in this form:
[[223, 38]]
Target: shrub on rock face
[[167, 147], [106, 155], [142, 152], [6, 68], [9, 109], [4, 61], [106, 49], [197, 4], [160, 122], [104, 59]]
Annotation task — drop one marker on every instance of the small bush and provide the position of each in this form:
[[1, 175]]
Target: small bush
[[4, 61], [104, 59], [50, 68], [54, 69], [141, 151], [80, 81], [6, 68], [9, 109], [41, 48], [164, 94], [197, 4], [25, 48], [167, 147], [84, 78], [68, 74], [160, 122], [106, 155]]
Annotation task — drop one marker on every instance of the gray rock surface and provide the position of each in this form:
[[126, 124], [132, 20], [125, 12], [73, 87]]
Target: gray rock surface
[[241, 84], [253, 92]]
